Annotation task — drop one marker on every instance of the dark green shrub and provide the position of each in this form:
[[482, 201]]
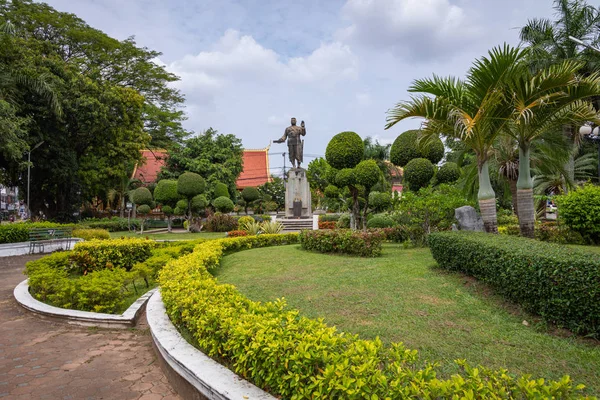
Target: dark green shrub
[[144, 209], [367, 173], [580, 211], [380, 201], [112, 224], [190, 184], [448, 173], [345, 177], [343, 221], [418, 173], [165, 192], [332, 192], [329, 217], [141, 196], [115, 253], [343, 241], [221, 190], [559, 283], [199, 203], [221, 223], [250, 194], [182, 205], [406, 148], [168, 210], [380, 221], [223, 204], [344, 150]]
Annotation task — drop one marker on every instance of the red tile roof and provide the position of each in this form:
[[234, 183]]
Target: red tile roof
[[256, 169], [148, 169]]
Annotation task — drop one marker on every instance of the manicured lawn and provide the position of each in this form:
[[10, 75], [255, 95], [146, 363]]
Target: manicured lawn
[[593, 249], [401, 296], [171, 236]]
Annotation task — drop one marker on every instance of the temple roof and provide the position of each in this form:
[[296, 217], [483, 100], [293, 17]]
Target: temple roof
[[255, 168], [148, 169]]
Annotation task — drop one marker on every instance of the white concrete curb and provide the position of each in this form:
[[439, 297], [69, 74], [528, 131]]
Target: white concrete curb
[[210, 379], [22, 248], [83, 318]]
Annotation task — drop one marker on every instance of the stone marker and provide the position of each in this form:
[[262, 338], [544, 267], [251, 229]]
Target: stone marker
[[468, 219]]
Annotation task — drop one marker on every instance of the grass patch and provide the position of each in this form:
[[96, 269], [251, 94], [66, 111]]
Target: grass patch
[[591, 249], [170, 236], [400, 296]]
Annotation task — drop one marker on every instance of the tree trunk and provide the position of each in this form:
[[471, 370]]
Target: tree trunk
[[525, 195], [568, 131], [487, 199], [122, 207], [169, 223], [513, 193], [355, 208], [142, 226]]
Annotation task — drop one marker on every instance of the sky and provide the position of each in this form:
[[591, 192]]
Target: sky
[[248, 66]]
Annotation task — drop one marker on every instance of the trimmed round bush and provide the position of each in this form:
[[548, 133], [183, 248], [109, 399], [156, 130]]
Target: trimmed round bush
[[89, 234], [405, 148], [167, 210], [182, 205], [345, 150], [178, 211], [332, 192], [141, 196], [223, 204], [190, 184], [199, 203], [345, 177], [221, 190], [380, 221], [580, 211], [448, 173], [144, 209], [165, 192], [367, 173], [343, 222], [250, 194], [418, 173], [380, 201], [245, 220]]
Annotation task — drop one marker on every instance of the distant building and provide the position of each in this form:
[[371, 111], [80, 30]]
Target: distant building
[[9, 200], [396, 173], [255, 167]]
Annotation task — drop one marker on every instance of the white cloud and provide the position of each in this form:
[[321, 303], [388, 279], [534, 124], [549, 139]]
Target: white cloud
[[419, 29], [363, 99]]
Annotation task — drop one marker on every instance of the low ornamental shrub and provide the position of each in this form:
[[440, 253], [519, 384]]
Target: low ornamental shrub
[[19, 232], [237, 233], [116, 253], [327, 224], [343, 222], [380, 221], [221, 223], [112, 224], [89, 234], [558, 283], [245, 219], [580, 211], [343, 241], [295, 357], [329, 217]]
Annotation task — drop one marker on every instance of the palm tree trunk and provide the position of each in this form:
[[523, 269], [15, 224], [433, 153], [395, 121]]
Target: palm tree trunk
[[487, 199], [568, 131], [525, 194], [513, 193], [122, 206]]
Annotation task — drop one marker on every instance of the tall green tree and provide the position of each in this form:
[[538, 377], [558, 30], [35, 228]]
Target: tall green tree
[[473, 111], [215, 157]]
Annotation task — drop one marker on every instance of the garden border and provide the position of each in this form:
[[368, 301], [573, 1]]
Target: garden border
[[83, 318], [193, 374]]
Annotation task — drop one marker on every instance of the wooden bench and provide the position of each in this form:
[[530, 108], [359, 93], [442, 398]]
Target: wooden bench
[[38, 237]]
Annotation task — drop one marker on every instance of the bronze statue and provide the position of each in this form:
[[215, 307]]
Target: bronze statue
[[295, 143]]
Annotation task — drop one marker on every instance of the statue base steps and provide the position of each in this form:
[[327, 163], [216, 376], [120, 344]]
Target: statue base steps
[[296, 225]]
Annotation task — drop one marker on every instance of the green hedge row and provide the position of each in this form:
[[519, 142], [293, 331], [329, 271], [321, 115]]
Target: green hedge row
[[96, 255], [295, 357], [559, 283], [343, 241], [19, 232]]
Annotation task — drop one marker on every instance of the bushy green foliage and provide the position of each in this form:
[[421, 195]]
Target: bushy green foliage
[[190, 184], [251, 226], [111, 224], [301, 357], [344, 150], [182, 205], [580, 211], [221, 191], [367, 173], [554, 281], [244, 219], [223, 204], [345, 177], [219, 222], [141, 196], [405, 148], [250, 194], [165, 192], [380, 221], [19, 232], [199, 203], [448, 173], [329, 217], [116, 253], [343, 221], [418, 173], [343, 241], [332, 192], [380, 201], [168, 210], [144, 209], [89, 234], [271, 227]]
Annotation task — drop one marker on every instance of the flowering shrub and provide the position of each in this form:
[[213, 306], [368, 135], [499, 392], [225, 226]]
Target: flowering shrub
[[237, 233], [359, 243], [327, 224]]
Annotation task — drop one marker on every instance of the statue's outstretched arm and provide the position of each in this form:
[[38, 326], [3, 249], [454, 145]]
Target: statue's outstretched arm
[[282, 138]]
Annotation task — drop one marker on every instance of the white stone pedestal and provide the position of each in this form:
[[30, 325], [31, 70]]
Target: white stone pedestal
[[297, 188]]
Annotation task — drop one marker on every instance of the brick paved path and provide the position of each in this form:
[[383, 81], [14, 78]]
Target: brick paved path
[[46, 360]]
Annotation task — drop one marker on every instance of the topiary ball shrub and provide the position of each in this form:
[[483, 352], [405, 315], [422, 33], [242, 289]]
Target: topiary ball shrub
[[144, 209], [199, 203], [343, 222], [190, 184], [250, 194], [182, 205], [165, 192], [167, 210], [448, 173], [332, 192], [580, 211], [367, 173], [141, 196], [221, 190], [223, 204], [380, 221], [345, 177], [418, 173], [380, 201], [406, 148], [345, 150]]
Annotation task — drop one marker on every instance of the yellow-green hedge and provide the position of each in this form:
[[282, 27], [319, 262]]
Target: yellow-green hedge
[[295, 357], [89, 234], [95, 255]]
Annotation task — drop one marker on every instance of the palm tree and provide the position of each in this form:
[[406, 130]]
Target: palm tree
[[473, 111], [542, 102]]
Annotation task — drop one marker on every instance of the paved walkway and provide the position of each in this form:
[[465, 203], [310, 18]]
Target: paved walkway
[[46, 360]]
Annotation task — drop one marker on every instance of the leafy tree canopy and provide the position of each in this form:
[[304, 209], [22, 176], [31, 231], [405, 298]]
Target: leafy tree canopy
[[275, 190]]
